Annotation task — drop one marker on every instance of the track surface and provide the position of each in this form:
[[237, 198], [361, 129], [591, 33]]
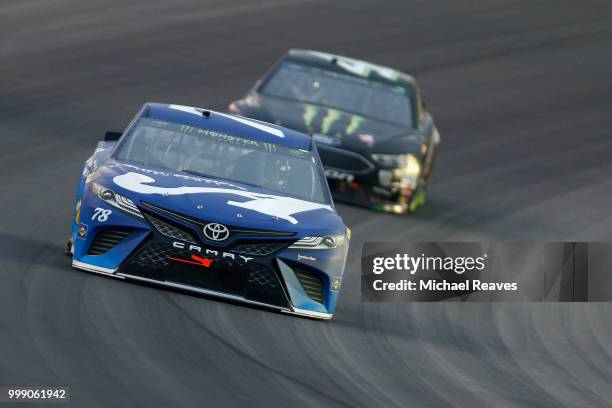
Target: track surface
[[522, 95]]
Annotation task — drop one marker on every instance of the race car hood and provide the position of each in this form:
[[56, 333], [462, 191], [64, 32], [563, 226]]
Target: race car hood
[[217, 200], [333, 126]]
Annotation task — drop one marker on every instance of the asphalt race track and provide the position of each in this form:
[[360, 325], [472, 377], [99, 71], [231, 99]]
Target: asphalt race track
[[522, 96]]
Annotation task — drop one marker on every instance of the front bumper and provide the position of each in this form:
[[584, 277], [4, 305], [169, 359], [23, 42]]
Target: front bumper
[[121, 274], [221, 295], [222, 272], [366, 193], [355, 179], [246, 270]]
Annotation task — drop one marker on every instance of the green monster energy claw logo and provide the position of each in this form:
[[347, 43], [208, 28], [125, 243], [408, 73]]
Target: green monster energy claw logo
[[310, 112], [354, 124], [270, 147], [329, 119]]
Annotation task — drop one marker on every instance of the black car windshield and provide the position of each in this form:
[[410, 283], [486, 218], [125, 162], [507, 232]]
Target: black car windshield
[[356, 95], [204, 152]]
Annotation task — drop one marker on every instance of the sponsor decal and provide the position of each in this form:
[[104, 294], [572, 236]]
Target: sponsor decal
[[338, 175], [187, 129], [324, 139], [335, 286], [216, 232], [249, 122], [329, 119], [211, 252], [228, 138], [367, 139], [269, 147], [275, 206], [77, 211], [306, 258], [195, 260], [101, 214], [82, 231], [181, 176], [354, 124], [357, 67], [310, 112]]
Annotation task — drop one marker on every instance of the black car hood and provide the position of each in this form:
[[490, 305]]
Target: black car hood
[[335, 127]]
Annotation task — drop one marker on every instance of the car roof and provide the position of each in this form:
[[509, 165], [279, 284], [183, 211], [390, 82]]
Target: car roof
[[224, 122], [351, 66]]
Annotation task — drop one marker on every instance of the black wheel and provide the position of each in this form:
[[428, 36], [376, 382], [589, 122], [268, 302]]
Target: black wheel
[[68, 248]]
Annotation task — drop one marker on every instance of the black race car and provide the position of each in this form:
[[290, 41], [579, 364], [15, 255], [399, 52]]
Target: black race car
[[375, 138]]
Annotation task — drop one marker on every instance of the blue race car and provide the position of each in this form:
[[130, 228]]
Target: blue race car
[[213, 203]]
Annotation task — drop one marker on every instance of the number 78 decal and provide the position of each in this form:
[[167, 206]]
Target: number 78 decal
[[101, 214]]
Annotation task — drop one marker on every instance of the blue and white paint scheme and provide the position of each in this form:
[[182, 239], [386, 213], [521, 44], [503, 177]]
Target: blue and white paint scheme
[[148, 222]]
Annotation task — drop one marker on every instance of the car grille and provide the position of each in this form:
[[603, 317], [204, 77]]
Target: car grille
[[252, 280], [312, 285], [259, 249], [170, 230], [153, 256], [241, 268], [260, 275], [106, 240], [344, 160], [199, 224], [245, 247]]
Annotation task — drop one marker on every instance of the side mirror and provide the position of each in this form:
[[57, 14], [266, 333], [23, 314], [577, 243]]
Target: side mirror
[[112, 136]]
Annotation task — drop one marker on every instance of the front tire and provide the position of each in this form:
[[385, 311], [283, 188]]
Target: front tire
[[419, 198], [68, 248]]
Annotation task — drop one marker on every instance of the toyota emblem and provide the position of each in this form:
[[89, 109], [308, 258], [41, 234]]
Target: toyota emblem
[[216, 232]]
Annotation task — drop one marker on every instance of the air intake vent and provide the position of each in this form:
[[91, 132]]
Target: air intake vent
[[170, 230], [312, 285], [106, 240]]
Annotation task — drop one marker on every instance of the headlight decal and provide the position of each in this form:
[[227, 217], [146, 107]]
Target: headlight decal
[[116, 200], [408, 163], [323, 242]]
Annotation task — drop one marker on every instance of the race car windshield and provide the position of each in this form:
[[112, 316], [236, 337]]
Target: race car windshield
[[209, 153], [357, 95]]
